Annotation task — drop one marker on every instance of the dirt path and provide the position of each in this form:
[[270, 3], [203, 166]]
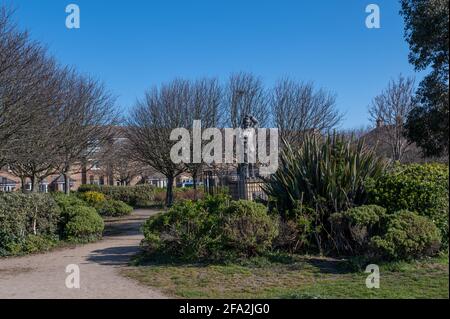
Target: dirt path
[[43, 276]]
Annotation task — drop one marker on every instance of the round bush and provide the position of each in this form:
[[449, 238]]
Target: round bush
[[84, 224], [354, 228], [247, 228], [211, 229], [407, 236], [423, 189], [185, 231], [66, 201], [114, 208], [93, 198]]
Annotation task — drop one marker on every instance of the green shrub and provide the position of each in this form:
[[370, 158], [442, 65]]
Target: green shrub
[[423, 189], [326, 174], [354, 228], [216, 204], [32, 244], [296, 230], [210, 229], [407, 236], [114, 208], [66, 201], [22, 215], [89, 188], [185, 231], [93, 198], [83, 224], [247, 229]]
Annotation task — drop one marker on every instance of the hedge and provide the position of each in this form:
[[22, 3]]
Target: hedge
[[22, 215], [136, 196]]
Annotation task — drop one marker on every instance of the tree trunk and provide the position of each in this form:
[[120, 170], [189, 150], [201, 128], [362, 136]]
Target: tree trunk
[[194, 177], [66, 183], [34, 184], [169, 193], [23, 184]]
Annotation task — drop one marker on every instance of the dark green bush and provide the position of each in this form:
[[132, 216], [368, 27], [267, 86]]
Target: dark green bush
[[185, 231], [32, 244], [216, 204], [23, 215], [89, 188], [296, 230], [66, 201], [247, 229], [113, 208], [211, 229], [407, 236], [354, 228], [423, 189], [83, 224]]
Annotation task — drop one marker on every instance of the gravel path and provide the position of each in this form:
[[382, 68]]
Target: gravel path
[[43, 276]]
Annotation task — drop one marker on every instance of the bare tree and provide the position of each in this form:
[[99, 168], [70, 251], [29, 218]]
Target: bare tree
[[23, 65], [86, 124], [356, 133], [150, 125], [36, 146], [205, 101], [299, 108], [245, 94], [117, 162], [389, 111]]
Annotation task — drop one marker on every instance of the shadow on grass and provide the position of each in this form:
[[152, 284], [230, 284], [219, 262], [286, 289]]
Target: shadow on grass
[[289, 261]]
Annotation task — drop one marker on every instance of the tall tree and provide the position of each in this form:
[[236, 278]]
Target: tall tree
[[205, 102], [86, 119], [245, 94], [22, 64], [389, 111], [299, 108], [117, 162], [427, 32], [36, 146], [150, 125]]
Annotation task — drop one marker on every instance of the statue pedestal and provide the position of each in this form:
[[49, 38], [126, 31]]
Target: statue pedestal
[[248, 189]]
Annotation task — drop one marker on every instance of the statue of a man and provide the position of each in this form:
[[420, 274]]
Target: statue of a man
[[248, 140]]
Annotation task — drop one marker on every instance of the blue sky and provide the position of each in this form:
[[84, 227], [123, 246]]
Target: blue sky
[[133, 45]]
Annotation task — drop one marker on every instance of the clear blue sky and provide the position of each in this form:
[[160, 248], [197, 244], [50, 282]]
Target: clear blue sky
[[135, 44]]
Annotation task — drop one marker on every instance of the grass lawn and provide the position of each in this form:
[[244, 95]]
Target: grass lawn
[[294, 277]]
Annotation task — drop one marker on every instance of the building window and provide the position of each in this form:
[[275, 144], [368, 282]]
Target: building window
[[96, 166]]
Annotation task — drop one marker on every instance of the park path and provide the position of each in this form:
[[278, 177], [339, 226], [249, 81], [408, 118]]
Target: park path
[[43, 276]]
